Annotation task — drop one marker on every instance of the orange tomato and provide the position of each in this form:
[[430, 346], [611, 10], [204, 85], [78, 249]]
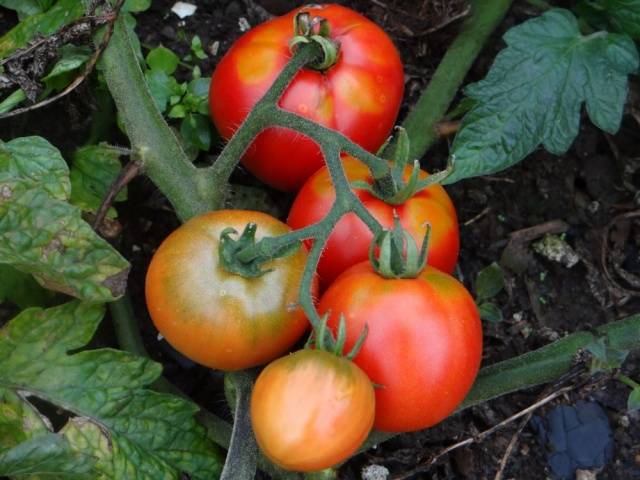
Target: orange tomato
[[311, 410], [221, 319]]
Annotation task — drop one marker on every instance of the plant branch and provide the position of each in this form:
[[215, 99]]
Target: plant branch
[[434, 102], [157, 146], [242, 456]]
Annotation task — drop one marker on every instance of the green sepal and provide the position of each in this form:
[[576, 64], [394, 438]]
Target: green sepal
[[393, 189], [398, 255], [230, 251], [315, 30]]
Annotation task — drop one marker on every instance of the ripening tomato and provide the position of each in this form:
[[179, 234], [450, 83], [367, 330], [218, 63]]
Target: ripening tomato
[[349, 242], [217, 318], [424, 344], [359, 95], [311, 410]]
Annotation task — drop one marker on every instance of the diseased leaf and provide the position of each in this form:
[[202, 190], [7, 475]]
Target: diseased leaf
[[94, 169], [534, 91], [21, 289], [49, 455], [19, 420], [130, 431], [46, 23], [41, 234]]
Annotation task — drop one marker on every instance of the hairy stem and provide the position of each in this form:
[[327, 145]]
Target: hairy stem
[[163, 157], [435, 100], [241, 462]]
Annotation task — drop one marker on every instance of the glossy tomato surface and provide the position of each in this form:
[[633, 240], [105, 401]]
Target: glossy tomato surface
[[311, 410], [424, 344], [220, 319], [350, 240], [359, 95]]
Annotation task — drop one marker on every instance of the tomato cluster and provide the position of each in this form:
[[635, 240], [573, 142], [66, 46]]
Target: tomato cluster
[[314, 408]]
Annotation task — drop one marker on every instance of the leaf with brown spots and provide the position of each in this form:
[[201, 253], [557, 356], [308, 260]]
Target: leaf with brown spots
[[42, 234]]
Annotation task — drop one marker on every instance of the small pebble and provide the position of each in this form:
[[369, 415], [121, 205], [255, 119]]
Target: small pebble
[[375, 472], [183, 9], [557, 249], [244, 24]]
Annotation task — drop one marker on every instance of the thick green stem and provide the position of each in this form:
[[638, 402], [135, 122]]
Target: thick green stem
[[435, 100], [242, 456], [157, 146]]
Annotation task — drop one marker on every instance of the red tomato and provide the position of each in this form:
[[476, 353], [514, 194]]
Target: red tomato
[[311, 410], [350, 240], [221, 319], [359, 96], [424, 344]]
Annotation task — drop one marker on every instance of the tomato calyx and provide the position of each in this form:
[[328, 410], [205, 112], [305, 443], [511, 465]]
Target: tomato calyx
[[309, 29], [398, 254], [393, 189], [321, 338], [240, 256]]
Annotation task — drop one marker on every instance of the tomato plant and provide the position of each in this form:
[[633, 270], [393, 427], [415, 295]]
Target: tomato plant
[[215, 317], [311, 410], [349, 242], [359, 95], [424, 344]]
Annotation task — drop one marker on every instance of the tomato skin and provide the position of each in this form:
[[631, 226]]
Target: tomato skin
[[311, 410], [220, 319], [424, 344], [359, 96], [349, 242]]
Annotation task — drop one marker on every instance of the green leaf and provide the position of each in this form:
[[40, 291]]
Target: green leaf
[[535, 89], [72, 57], [196, 130], [24, 8], [162, 58], [196, 47], [490, 312], [48, 455], [12, 101], [605, 356], [162, 87], [21, 289], [46, 23], [622, 15], [132, 432], [489, 282], [633, 402], [177, 111], [41, 234], [136, 5], [94, 169]]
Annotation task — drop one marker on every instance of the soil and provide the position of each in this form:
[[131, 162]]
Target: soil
[[592, 189]]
